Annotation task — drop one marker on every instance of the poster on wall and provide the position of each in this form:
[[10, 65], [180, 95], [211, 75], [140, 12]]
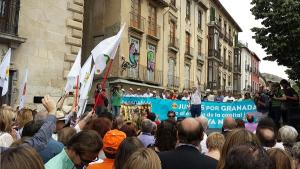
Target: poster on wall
[[151, 61], [134, 52]]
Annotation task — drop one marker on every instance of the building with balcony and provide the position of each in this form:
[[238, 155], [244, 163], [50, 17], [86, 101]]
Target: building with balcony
[[45, 37], [255, 72], [163, 46], [246, 55], [223, 58]]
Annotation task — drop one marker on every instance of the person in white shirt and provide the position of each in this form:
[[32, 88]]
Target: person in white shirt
[[186, 95], [148, 93], [196, 101], [229, 98]]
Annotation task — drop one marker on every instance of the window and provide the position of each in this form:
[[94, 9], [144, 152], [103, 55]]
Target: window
[[134, 52], [229, 31], [135, 17], [152, 21], [171, 72], [200, 19], [187, 72], [151, 54], [199, 47], [136, 6], [225, 27], [220, 21], [9, 16], [187, 43], [188, 10], [173, 3], [224, 55], [172, 32], [229, 80], [212, 14]]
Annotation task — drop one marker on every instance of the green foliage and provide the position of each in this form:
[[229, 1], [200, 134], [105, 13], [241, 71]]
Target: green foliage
[[280, 34]]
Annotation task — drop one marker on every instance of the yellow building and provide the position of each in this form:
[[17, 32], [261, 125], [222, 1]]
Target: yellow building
[[164, 45], [45, 37]]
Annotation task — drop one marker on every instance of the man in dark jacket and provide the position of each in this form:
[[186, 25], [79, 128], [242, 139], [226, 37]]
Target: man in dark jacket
[[187, 154]]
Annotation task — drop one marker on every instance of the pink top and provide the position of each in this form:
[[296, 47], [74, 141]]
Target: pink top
[[251, 127]]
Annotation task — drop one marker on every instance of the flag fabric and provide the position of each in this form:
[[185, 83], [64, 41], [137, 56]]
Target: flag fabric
[[85, 73], [4, 72], [84, 94], [23, 90], [74, 73], [106, 50], [85, 70]]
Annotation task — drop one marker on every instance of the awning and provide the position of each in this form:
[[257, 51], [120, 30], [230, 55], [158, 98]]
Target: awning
[[135, 83]]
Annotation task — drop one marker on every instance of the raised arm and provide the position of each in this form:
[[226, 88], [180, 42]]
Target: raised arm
[[41, 138]]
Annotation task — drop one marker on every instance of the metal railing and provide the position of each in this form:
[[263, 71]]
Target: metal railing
[[215, 22], [173, 41], [145, 73], [137, 21], [9, 16], [153, 28], [214, 53], [150, 75], [173, 81]]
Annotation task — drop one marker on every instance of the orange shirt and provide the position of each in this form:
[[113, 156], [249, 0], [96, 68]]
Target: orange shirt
[[106, 164]]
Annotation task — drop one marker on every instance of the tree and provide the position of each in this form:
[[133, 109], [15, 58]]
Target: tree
[[280, 34]]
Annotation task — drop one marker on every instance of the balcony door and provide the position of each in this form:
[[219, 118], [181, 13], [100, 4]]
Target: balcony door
[[135, 12], [152, 20], [171, 72], [134, 54], [151, 62]]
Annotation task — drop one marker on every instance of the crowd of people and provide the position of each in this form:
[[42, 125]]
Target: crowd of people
[[56, 138]]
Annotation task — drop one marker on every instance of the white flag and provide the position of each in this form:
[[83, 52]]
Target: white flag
[[23, 90], [106, 50], [85, 73], [74, 73], [85, 92], [85, 70], [4, 72]]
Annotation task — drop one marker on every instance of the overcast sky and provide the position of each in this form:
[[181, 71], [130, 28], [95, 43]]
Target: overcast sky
[[240, 11]]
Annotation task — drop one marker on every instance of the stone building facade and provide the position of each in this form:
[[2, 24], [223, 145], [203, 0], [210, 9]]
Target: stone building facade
[[166, 42], [223, 53], [45, 37]]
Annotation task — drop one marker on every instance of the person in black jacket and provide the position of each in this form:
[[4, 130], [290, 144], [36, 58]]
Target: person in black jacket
[[187, 154]]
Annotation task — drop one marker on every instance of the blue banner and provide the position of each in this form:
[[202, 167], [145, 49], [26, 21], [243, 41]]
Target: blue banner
[[214, 111]]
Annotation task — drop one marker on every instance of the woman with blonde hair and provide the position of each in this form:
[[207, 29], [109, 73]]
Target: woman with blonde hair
[[281, 159], [21, 157], [7, 133], [24, 116], [214, 144], [144, 158]]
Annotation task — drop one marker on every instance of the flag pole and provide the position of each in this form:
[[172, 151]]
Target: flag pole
[[103, 82], [76, 91]]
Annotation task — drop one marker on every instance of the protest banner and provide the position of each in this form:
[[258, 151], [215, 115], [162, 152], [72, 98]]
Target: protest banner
[[214, 111]]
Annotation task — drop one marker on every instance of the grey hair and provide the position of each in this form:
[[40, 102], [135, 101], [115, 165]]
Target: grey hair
[[147, 126], [204, 122], [288, 134], [296, 150]]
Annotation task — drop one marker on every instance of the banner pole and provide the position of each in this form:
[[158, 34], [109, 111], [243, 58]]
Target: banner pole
[[76, 91]]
